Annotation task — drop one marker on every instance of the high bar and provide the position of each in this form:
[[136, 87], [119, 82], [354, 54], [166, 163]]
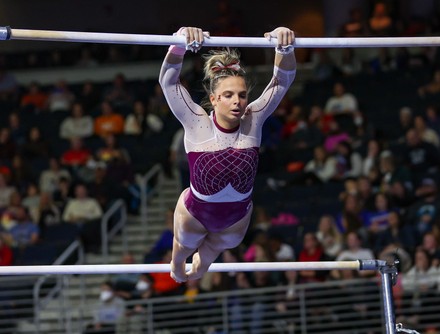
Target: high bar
[[7, 33], [162, 268]]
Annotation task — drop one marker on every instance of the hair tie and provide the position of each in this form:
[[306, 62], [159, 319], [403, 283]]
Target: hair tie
[[220, 67]]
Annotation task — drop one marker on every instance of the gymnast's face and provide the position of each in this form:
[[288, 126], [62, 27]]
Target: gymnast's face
[[229, 100]]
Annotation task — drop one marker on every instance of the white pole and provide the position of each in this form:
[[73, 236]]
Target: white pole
[[162, 268], [255, 42]]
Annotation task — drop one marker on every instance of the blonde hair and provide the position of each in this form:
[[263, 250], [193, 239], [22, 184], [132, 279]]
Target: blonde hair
[[220, 64]]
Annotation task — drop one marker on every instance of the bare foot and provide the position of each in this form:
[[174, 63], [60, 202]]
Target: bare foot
[[197, 270], [178, 273]]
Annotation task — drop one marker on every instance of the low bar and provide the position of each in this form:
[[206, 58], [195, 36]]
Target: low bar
[[162, 268], [6, 33]]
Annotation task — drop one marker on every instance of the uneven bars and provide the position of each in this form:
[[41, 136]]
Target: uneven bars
[[215, 267], [6, 33]]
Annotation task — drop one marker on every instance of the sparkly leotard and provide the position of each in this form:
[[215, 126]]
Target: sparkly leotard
[[223, 163]]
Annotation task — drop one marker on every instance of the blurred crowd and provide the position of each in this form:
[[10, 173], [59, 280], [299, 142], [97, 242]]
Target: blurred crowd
[[386, 199]]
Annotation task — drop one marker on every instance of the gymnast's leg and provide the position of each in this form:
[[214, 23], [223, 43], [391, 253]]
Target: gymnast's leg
[[189, 234], [215, 243]]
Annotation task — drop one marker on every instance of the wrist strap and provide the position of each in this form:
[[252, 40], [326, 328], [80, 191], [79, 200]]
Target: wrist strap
[[284, 50]]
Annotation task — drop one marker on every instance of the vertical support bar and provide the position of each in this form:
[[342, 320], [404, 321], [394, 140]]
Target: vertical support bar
[[388, 274]]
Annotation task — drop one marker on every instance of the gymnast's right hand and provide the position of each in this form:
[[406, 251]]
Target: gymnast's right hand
[[194, 37]]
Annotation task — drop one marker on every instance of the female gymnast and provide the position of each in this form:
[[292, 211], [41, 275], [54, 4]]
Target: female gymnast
[[213, 214]]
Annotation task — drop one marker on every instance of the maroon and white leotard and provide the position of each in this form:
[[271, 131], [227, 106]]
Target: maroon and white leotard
[[223, 163]]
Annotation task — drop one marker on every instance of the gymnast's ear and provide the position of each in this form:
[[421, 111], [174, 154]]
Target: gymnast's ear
[[212, 99]]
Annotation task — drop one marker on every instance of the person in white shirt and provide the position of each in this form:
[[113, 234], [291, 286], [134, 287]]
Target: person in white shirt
[[341, 102], [77, 125], [355, 251], [82, 208], [49, 178]]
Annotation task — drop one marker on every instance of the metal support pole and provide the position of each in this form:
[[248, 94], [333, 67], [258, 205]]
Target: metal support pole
[[389, 275]]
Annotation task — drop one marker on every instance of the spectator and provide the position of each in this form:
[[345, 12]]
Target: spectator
[[76, 155], [125, 283], [118, 94], [24, 233], [382, 62], [423, 214], [18, 131], [341, 103], [307, 134], [433, 118], [365, 192], [350, 219], [393, 172], [380, 22], [356, 25], [335, 136], [141, 121], [259, 250], [31, 201], [109, 122], [406, 122], [377, 220], [397, 233], [112, 150], [321, 120], [48, 213], [163, 284], [420, 157], [108, 313], [431, 245], [21, 173], [86, 58], [35, 98], [77, 125], [5, 192], [103, 188], [312, 251], [60, 97], [349, 64], [291, 121], [10, 212], [89, 96], [348, 162], [62, 194], [8, 148], [49, 178], [6, 255], [329, 236], [322, 167], [432, 87], [371, 160], [419, 285], [164, 242], [281, 250], [323, 66], [179, 159], [157, 105], [82, 208], [355, 251], [425, 133], [35, 147]]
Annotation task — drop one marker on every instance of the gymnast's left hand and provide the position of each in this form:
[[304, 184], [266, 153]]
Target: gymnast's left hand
[[194, 37], [284, 36]]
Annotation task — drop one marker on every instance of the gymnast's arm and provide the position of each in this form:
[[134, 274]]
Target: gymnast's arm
[[283, 76], [178, 98]]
